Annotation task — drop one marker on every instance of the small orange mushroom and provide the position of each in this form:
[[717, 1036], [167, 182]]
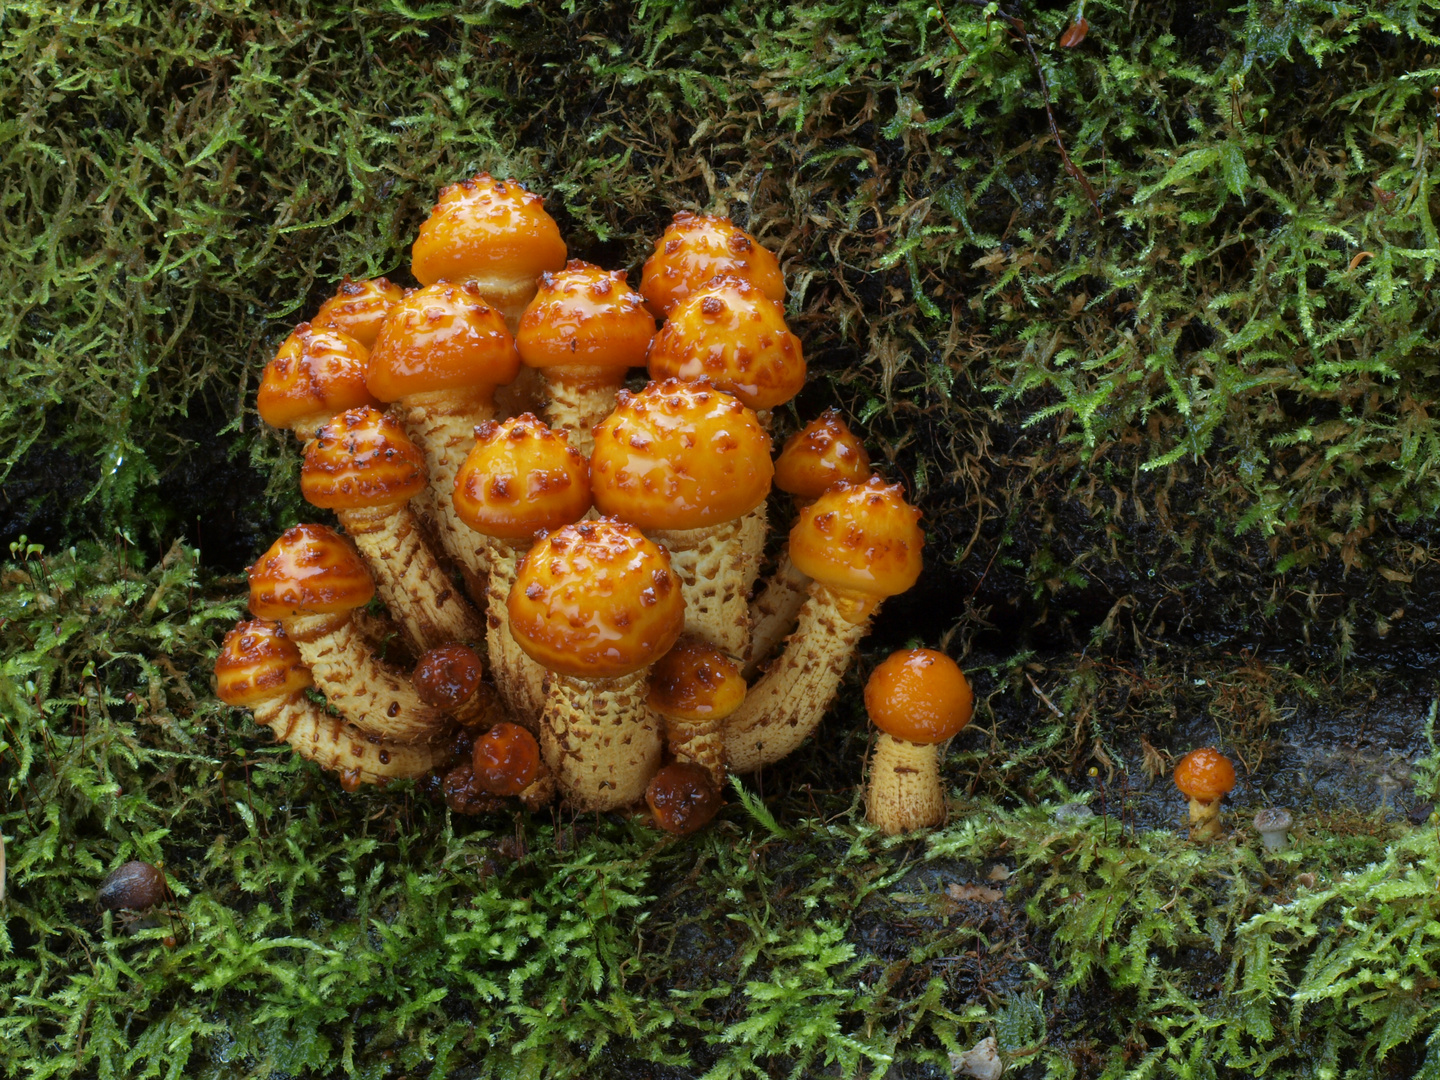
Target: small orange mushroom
[[358, 308], [695, 687], [316, 374], [683, 797], [507, 760], [1204, 776], [698, 247]]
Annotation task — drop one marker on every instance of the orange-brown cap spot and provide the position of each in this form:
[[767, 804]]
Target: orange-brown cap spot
[[361, 458], [864, 538], [442, 337], [315, 374], [733, 336], [519, 478], [683, 798], [585, 316], [823, 452], [359, 307], [679, 456], [258, 662], [446, 676], [506, 759], [1204, 775], [596, 600], [919, 695], [310, 570], [486, 228], [698, 247], [696, 681]]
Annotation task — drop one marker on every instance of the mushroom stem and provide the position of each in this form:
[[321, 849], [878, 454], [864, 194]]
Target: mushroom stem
[[1204, 819], [773, 612], [600, 739], [520, 679], [699, 742], [579, 397], [714, 568], [333, 744], [905, 791]]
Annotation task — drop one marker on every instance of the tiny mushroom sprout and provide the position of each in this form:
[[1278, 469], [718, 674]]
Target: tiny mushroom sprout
[[585, 328], [506, 761], [448, 678], [1273, 825], [441, 354], [358, 308], [918, 698], [595, 604], [859, 543], [132, 886], [695, 687], [315, 374], [698, 247], [363, 466], [1204, 776], [519, 479], [310, 580], [491, 232], [683, 797], [260, 669], [686, 463]]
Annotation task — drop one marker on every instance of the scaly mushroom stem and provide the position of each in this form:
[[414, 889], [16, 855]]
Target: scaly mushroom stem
[[521, 679], [333, 744], [773, 612], [373, 697], [699, 742], [1204, 819], [580, 397], [754, 528], [789, 701], [713, 567], [904, 791], [600, 740]]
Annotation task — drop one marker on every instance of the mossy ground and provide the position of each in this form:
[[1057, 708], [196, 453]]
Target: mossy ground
[[1176, 449]]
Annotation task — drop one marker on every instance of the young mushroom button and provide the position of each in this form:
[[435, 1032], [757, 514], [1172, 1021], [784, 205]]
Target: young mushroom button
[[316, 374], [696, 687], [1204, 776], [358, 308], [698, 247]]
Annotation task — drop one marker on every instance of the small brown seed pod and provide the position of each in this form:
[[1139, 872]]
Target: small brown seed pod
[[132, 886]]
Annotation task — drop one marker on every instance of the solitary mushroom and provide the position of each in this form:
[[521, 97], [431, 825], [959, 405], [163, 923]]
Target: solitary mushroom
[[1273, 825], [918, 698], [358, 308], [695, 687], [316, 374], [1204, 776], [698, 247]]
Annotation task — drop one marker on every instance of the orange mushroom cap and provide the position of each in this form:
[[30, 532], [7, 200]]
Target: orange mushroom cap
[[696, 681], [506, 759], [587, 316], [487, 228], [864, 538], [698, 247], [679, 456], [361, 458], [823, 452], [316, 373], [683, 797], [919, 695], [442, 337], [359, 307], [1204, 775], [596, 600], [258, 662], [446, 676], [732, 335], [310, 570], [519, 478]]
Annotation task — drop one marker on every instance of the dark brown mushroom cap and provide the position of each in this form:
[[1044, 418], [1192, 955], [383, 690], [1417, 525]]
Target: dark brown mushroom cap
[[132, 886], [683, 797], [446, 676], [506, 759]]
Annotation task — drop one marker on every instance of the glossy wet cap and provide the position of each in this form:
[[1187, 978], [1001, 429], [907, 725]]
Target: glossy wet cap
[[442, 337], [819, 455], [698, 247], [585, 316], [864, 538], [696, 681], [506, 759], [596, 600], [310, 570], [519, 478], [683, 797], [258, 662], [361, 459], [733, 336], [919, 695], [132, 886], [358, 308], [490, 229], [1204, 775], [316, 373], [446, 676], [679, 455]]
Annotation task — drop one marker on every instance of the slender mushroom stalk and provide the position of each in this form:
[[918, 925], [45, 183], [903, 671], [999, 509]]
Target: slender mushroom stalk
[[507, 761], [596, 603], [698, 247], [260, 669], [493, 233], [316, 374], [683, 797], [310, 580], [685, 463], [918, 698], [860, 543], [363, 466], [585, 328], [358, 308], [519, 479], [441, 353], [1274, 825], [695, 687], [820, 454], [1204, 776]]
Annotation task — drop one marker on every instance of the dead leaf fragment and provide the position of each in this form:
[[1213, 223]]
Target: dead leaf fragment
[[982, 1062], [981, 893]]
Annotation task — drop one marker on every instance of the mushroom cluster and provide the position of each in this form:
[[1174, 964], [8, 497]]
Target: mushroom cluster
[[503, 495]]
